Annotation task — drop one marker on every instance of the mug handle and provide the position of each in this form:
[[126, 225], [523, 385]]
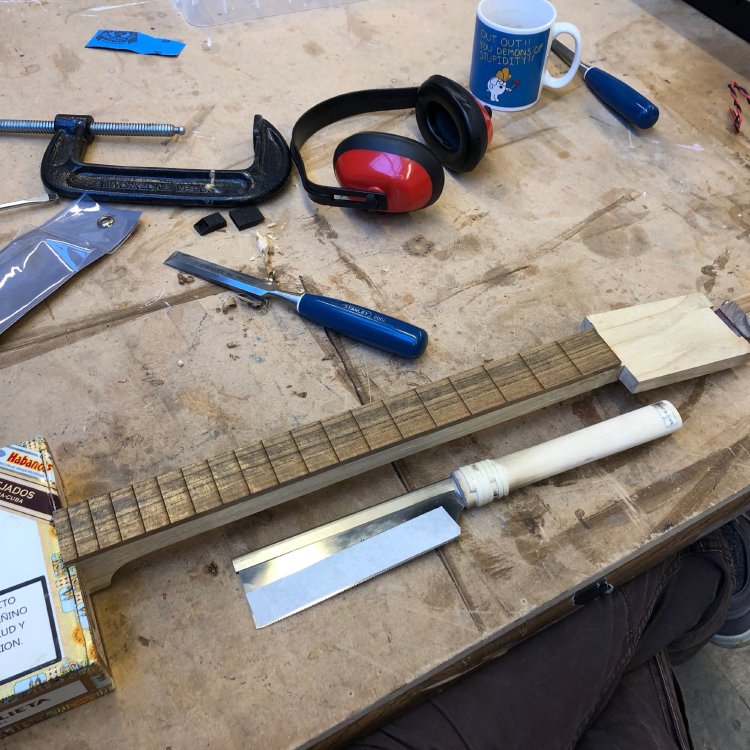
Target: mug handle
[[557, 82]]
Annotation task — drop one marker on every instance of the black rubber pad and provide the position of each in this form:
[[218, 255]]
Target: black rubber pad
[[210, 223], [246, 217]]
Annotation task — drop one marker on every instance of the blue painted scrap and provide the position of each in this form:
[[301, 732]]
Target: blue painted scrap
[[134, 41]]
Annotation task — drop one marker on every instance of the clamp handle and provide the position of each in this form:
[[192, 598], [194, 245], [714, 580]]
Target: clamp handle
[[65, 172]]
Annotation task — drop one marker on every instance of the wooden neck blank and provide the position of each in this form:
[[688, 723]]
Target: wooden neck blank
[[645, 346], [101, 534]]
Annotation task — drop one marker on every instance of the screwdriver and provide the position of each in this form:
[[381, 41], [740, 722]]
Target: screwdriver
[[616, 94], [367, 326]]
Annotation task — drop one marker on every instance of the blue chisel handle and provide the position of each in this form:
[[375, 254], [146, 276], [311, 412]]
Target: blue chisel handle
[[623, 99], [368, 326]]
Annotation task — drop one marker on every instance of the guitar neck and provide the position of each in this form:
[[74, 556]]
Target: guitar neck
[[102, 533], [645, 346]]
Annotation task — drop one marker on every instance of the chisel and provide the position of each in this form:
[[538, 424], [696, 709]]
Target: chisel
[[359, 323], [296, 573], [616, 94]]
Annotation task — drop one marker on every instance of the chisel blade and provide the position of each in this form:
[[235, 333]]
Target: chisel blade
[[565, 54], [239, 282]]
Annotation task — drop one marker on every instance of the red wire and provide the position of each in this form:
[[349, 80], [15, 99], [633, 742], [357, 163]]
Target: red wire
[[736, 111]]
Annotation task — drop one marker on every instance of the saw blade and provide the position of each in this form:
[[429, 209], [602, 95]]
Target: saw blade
[[348, 567], [286, 560]]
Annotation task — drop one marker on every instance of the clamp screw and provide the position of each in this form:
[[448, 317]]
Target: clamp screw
[[158, 130]]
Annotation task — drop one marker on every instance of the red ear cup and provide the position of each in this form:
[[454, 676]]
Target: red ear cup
[[407, 172], [487, 114], [453, 123]]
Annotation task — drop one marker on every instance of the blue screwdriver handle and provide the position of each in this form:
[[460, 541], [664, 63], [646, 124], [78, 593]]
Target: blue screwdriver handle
[[368, 326], [623, 99]]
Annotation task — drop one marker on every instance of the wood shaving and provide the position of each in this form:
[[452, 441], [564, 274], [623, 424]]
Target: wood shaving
[[228, 304], [262, 243]]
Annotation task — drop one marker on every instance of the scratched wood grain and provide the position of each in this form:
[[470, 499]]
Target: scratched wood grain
[[570, 213]]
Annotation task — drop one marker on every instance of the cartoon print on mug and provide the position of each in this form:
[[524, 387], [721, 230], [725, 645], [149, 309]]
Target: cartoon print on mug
[[498, 84], [516, 34]]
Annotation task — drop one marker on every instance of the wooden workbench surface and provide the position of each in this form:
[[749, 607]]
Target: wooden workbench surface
[[570, 213]]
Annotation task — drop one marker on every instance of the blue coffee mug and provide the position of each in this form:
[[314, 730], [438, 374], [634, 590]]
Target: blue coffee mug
[[511, 43]]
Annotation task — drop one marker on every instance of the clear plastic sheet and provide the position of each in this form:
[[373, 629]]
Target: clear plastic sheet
[[214, 12], [38, 262]]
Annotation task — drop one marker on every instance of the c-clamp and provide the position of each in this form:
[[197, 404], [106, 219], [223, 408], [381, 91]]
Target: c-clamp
[[65, 172]]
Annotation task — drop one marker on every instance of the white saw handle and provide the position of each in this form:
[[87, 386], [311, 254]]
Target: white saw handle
[[485, 481]]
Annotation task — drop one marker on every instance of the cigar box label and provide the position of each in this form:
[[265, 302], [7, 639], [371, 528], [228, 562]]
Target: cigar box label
[[25, 461], [28, 636], [43, 702], [16, 494], [50, 657]]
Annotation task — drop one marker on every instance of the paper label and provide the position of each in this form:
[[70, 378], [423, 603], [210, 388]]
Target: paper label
[[24, 497], [40, 703], [28, 637], [21, 460]]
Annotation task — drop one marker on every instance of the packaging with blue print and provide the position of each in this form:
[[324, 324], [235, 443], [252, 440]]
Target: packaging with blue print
[[39, 261]]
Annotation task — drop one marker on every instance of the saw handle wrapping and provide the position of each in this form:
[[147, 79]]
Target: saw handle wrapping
[[485, 481]]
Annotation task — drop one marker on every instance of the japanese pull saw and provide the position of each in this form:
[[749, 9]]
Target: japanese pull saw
[[296, 573], [359, 323]]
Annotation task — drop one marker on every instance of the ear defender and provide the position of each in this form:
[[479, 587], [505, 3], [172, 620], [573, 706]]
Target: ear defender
[[388, 173], [407, 172], [453, 123]]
